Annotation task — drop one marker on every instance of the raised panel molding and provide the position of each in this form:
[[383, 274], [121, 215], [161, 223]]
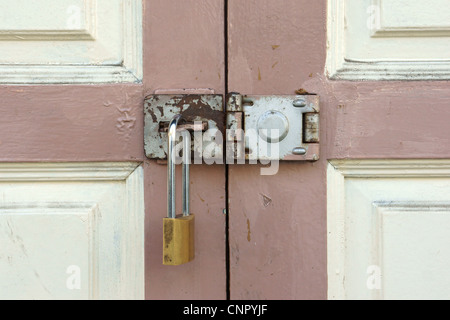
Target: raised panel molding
[[96, 212], [73, 225], [56, 34], [110, 58], [421, 26], [102, 171], [411, 241], [391, 214], [340, 66]]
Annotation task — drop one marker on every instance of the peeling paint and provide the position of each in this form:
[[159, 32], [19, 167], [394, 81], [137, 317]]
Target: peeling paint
[[159, 109], [126, 122]]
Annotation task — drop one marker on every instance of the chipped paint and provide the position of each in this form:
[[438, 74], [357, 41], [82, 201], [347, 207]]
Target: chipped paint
[[160, 109]]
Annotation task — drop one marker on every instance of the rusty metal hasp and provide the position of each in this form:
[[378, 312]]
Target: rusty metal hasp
[[254, 128], [201, 113]]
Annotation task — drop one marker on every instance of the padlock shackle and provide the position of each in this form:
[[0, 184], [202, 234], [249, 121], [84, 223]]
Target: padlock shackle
[[171, 182], [186, 171]]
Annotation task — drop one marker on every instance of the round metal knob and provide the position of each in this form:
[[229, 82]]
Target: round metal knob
[[273, 126]]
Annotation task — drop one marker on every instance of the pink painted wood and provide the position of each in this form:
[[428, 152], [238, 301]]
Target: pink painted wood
[[184, 48], [278, 223]]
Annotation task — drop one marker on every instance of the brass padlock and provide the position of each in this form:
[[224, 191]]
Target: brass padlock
[[178, 241]]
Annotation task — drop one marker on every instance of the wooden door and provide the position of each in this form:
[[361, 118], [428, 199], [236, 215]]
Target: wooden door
[[367, 220], [81, 207]]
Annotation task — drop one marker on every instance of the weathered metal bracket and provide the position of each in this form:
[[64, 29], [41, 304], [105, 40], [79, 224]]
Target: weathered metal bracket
[[278, 127], [286, 127], [201, 112]]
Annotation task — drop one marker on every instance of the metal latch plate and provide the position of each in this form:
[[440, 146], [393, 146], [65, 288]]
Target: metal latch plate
[[286, 126]]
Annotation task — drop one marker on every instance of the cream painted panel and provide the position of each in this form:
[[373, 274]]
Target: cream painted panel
[[433, 15], [363, 19], [29, 19], [48, 251], [388, 40], [388, 225], [90, 41], [72, 231], [105, 47], [414, 248]]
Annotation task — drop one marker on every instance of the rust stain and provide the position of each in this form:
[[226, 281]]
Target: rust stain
[[200, 110], [275, 46], [161, 111], [150, 100], [311, 128], [259, 74], [249, 233], [207, 109], [301, 91], [274, 65]]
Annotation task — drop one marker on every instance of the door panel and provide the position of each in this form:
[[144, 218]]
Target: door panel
[[183, 48], [278, 224], [388, 229], [386, 120], [72, 231], [184, 53], [388, 40], [92, 41]]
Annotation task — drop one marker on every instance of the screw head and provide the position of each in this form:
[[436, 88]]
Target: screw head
[[299, 151], [300, 103]]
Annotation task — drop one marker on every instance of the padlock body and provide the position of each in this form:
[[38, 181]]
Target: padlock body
[[178, 240]]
